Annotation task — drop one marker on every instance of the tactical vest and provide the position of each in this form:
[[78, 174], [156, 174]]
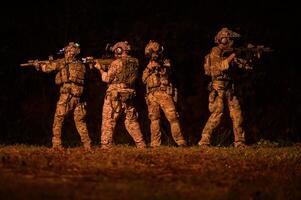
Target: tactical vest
[[153, 81], [71, 72], [156, 80], [129, 72], [212, 70]]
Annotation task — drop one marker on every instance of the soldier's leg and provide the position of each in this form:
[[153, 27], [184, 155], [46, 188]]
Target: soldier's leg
[[217, 109], [169, 109], [133, 127], [80, 123], [62, 108], [154, 117], [109, 119], [237, 120]]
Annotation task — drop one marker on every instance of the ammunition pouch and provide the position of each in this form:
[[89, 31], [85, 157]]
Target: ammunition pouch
[[221, 84], [153, 81], [74, 73], [62, 76]]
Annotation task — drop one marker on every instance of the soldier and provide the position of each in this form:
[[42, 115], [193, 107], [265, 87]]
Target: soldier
[[121, 75], [159, 94], [71, 78], [222, 88]]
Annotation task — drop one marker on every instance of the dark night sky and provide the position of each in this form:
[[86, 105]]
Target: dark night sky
[[270, 96]]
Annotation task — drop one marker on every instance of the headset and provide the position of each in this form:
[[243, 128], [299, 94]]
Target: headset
[[118, 50], [224, 40]]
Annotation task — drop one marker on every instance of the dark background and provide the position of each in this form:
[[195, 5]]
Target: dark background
[[270, 95]]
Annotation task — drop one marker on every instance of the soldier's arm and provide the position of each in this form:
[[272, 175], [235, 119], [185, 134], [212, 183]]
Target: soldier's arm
[[218, 63], [145, 75], [50, 66], [148, 71], [109, 75]]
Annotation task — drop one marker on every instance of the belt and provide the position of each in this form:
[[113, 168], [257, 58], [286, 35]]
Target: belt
[[156, 89]]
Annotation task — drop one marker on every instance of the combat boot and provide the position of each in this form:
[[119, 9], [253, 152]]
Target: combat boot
[[106, 146], [87, 147], [183, 145], [204, 145], [141, 145], [57, 148], [240, 144], [205, 140]]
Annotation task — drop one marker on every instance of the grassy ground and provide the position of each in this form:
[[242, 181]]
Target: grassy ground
[[28, 172]]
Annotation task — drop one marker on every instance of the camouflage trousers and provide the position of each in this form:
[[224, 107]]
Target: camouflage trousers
[[66, 104], [217, 101], [112, 109], [155, 101]]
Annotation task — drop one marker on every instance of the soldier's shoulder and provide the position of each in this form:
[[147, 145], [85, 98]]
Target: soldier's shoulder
[[114, 62], [59, 60], [133, 59], [215, 50]]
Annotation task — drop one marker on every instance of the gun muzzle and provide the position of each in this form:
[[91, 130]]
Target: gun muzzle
[[25, 64]]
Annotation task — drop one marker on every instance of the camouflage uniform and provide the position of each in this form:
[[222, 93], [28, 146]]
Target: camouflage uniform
[[119, 96], [160, 95], [70, 76], [222, 88]]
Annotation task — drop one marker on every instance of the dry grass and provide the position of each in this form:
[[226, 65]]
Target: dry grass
[[28, 172]]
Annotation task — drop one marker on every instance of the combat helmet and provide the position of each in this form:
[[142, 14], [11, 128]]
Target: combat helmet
[[73, 45], [153, 47], [120, 47], [225, 33]]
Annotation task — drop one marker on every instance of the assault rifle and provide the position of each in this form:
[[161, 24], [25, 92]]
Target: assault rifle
[[248, 52], [38, 62]]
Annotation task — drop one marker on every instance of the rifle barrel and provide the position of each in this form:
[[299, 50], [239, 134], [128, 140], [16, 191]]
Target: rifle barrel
[[25, 64]]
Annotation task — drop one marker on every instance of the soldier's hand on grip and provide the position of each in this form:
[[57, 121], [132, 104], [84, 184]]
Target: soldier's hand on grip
[[36, 65]]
